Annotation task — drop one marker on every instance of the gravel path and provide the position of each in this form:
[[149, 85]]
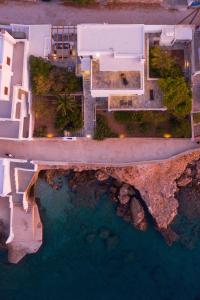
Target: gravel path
[[57, 14]]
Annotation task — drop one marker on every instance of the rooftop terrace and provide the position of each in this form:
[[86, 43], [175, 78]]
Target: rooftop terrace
[[114, 80]]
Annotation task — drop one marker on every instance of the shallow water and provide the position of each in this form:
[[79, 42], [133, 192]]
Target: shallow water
[[79, 261]]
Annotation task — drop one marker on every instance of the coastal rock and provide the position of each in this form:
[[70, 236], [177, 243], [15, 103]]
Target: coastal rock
[[183, 181], [138, 214], [155, 181], [101, 175], [169, 235], [125, 193]]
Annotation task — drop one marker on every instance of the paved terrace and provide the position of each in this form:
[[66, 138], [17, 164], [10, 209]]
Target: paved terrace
[[116, 151], [109, 80]]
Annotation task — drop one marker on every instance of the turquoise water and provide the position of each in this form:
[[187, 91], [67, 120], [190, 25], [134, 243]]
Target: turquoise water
[[91, 254]]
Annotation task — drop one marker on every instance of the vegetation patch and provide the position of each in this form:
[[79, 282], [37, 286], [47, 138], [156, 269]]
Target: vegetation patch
[[176, 90], [68, 114], [103, 130], [153, 124], [196, 118], [62, 112], [47, 78], [162, 64]]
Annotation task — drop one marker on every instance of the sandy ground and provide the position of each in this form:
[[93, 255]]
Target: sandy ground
[[57, 14]]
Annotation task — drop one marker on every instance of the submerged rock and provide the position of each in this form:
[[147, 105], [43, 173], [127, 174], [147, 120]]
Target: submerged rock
[[138, 214], [104, 233], [169, 235], [112, 242], [90, 237]]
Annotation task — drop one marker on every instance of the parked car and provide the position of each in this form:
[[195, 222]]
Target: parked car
[[69, 138]]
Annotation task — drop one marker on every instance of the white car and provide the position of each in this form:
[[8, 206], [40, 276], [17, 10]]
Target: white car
[[69, 138]]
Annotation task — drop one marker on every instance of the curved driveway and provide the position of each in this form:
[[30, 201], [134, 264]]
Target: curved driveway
[[116, 151], [57, 14]]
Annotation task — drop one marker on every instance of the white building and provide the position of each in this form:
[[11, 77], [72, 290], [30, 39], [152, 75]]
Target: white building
[[5, 186], [17, 43], [116, 59]]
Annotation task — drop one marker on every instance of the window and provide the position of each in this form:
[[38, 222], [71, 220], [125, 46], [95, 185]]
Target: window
[[5, 90], [8, 61]]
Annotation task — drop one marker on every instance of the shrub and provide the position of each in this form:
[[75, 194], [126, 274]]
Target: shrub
[[177, 95], [71, 121], [40, 131], [39, 75], [196, 117], [181, 128], [47, 78], [102, 130], [130, 127], [162, 64], [144, 126]]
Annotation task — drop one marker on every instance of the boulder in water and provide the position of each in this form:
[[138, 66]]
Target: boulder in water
[[138, 214], [104, 233]]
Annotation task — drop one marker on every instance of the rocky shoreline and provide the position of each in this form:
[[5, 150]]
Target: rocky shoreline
[[158, 192]]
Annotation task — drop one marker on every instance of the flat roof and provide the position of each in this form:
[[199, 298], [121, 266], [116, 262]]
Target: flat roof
[[1, 48], [40, 40], [120, 39], [9, 129], [1, 176], [109, 63]]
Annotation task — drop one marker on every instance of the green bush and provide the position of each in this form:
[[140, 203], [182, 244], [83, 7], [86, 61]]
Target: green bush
[[144, 126], [49, 79], [181, 128], [196, 117], [68, 118], [102, 130], [177, 95], [130, 127], [40, 131], [162, 64], [139, 116]]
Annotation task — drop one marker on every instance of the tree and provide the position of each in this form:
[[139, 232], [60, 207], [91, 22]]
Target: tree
[[40, 84], [69, 114], [65, 105], [177, 95], [162, 64], [39, 75], [47, 78]]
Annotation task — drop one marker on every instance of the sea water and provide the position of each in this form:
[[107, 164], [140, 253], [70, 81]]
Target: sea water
[[89, 253]]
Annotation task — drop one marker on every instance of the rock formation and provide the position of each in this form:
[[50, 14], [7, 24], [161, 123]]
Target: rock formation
[[159, 185]]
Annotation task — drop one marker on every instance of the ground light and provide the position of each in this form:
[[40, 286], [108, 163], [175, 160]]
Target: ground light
[[88, 136], [121, 136], [167, 135], [50, 135]]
